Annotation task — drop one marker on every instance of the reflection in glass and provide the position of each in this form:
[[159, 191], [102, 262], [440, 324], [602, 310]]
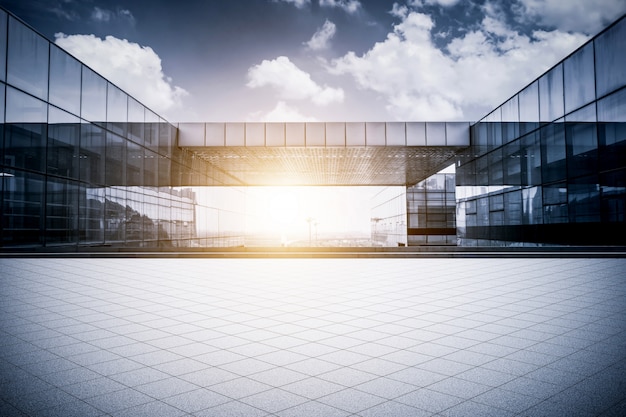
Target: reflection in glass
[[92, 154], [3, 45], [64, 80], [63, 143], [579, 78], [551, 95], [117, 110], [27, 64], [23, 208], [61, 211], [610, 59], [94, 97]]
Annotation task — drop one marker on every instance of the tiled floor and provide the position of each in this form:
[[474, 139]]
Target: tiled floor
[[313, 337]]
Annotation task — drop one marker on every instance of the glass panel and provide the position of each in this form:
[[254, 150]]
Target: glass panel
[[134, 166], [610, 50], [551, 95], [613, 195], [531, 159], [22, 108], [117, 110], [64, 80], [529, 108], [27, 60], [61, 211], [23, 209], [115, 165], [136, 120], [579, 77], [512, 164], [94, 97], [3, 45], [612, 130], [582, 141], [553, 153], [151, 130], [25, 132], [555, 203], [150, 169], [91, 218], [510, 120], [115, 214], [532, 205], [513, 208], [584, 200], [63, 141], [92, 154]]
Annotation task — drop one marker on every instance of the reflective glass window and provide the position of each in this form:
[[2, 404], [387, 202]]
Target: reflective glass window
[[91, 222], [3, 45], [94, 97], [23, 208], [582, 141], [65, 79], [532, 205], [136, 120], [579, 78], [151, 130], [92, 153], [115, 214], [512, 163], [496, 175], [613, 194], [529, 108], [117, 110], [115, 165], [530, 155], [134, 166], [584, 199], [610, 51], [150, 168], [25, 131], [510, 120], [22, 108], [551, 95], [555, 203], [63, 143], [513, 208], [61, 211], [27, 64], [553, 155], [612, 130]]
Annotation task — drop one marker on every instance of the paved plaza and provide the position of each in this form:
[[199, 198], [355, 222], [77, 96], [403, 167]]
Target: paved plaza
[[313, 337]]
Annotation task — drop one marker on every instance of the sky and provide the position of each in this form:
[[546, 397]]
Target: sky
[[319, 60]]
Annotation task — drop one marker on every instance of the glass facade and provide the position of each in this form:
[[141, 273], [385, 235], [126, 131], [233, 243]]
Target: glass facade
[[550, 164], [431, 211], [83, 163], [388, 217]]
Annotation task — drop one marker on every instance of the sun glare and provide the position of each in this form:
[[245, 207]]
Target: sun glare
[[283, 207]]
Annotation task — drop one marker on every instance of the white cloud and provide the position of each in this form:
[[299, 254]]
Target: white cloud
[[134, 68], [350, 6], [105, 15], [477, 71], [298, 3], [281, 113], [572, 15], [322, 37], [443, 3], [291, 82]]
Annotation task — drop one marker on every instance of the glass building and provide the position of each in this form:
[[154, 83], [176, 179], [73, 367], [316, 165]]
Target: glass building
[[82, 163], [549, 165]]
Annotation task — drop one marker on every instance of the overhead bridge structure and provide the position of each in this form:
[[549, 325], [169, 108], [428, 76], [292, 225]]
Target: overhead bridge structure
[[351, 153]]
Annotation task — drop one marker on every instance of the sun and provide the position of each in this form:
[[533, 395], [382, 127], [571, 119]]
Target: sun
[[283, 207]]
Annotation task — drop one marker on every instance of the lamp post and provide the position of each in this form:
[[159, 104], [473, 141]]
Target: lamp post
[[310, 220]]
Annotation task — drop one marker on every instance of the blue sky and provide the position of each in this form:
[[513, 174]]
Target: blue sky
[[324, 60]]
